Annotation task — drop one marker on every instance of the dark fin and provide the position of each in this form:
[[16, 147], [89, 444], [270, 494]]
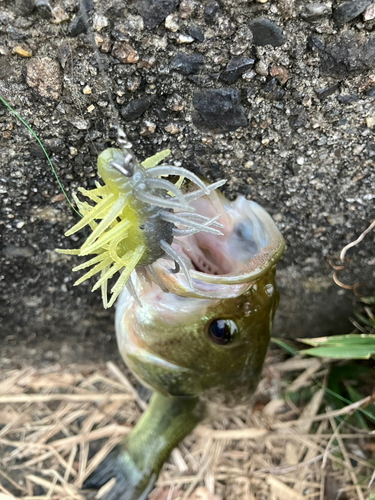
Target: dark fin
[[130, 484]]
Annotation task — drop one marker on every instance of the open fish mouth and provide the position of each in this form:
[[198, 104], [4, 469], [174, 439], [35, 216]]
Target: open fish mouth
[[224, 266]]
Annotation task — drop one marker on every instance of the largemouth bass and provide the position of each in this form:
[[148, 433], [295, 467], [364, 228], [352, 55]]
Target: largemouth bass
[[184, 342]]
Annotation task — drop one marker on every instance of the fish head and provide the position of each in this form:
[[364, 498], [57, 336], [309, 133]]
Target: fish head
[[185, 341]]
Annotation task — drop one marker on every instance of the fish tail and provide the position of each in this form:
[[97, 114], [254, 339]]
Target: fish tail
[[131, 469]]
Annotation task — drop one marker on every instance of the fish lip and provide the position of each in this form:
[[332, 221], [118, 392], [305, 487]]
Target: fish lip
[[231, 284]]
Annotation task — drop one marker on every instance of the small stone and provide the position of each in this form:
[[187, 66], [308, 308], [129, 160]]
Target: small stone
[[79, 23], [187, 64], [369, 13], [86, 90], [147, 62], [357, 150], [347, 11], [133, 83], [91, 108], [280, 73], [44, 8], [175, 102], [43, 75], [336, 219], [286, 8], [171, 23], [211, 12], [349, 54], [187, 8], [347, 99], [249, 75], [370, 121], [13, 251], [153, 12], [326, 92], [315, 11], [261, 68], [24, 7], [99, 22], [21, 52], [172, 128], [125, 53], [241, 41], [300, 160], [137, 107], [79, 123], [73, 151], [266, 32], [236, 67], [147, 128], [184, 39], [59, 15], [218, 109], [196, 32]]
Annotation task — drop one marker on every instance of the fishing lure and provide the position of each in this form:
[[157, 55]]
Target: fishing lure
[[135, 217]]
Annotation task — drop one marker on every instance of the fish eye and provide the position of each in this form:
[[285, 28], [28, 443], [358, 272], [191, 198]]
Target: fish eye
[[222, 331]]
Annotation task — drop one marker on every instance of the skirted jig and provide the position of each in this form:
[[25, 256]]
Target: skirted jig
[[135, 217]]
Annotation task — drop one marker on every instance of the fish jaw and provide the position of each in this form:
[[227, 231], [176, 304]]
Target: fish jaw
[[250, 246]]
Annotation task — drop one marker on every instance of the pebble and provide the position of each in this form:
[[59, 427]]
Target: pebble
[[370, 121], [153, 12], [125, 53], [326, 92], [137, 107], [187, 64], [171, 23], [347, 99], [184, 39], [369, 13], [218, 109], [43, 8], [86, 90], [21, 52], [59, 15], [211, 12], [13, 251], [315, 11], [186, 8], [348, 54], [196, 32], [280, 73], [266, 32], [172, 128], [261, 68], [43, 75], [99, 22], [147, 128], [24, 7], [175, 102], [236, 67], [79, 25], [347, 11]]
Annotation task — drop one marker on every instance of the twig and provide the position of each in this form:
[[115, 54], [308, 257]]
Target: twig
[[358, 240]]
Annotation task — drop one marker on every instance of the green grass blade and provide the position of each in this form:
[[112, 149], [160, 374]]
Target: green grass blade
[[44, 151]]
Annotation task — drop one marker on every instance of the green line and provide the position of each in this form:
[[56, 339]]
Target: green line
[[44, 151]]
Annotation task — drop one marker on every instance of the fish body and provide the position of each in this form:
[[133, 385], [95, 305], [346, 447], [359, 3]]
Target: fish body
[[184, 342]]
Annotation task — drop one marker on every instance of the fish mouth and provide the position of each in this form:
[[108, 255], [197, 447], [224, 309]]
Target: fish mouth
[[225, 265]]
